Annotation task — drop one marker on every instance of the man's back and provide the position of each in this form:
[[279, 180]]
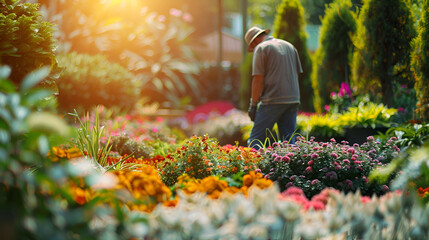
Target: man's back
[[278, 61]]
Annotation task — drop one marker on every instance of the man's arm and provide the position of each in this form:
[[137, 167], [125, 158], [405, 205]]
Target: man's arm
[[257, 83]]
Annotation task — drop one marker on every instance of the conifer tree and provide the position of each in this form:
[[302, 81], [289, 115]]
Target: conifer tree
[[420, 64], [289, 25], [332, 62], [383, 47]]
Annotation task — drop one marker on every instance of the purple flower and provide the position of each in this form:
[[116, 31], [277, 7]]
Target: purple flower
[[346, 161], [334, 155], [401, 109], [333, 94], [258, 170], [314, 155], [357, 162], [351, 150], [332, 175]]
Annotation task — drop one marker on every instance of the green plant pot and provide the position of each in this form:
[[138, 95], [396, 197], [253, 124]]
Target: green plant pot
[[359, 134]]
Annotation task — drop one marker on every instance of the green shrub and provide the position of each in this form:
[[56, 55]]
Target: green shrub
[[125, 145], [383, 46], [333, 57], [420, 63], [289, 25], [87, 81], [26, 41]]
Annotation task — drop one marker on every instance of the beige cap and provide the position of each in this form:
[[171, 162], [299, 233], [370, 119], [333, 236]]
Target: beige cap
[[251, 34]]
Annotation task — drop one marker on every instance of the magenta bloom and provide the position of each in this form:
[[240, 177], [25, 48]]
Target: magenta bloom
[[327, 108], [310, 163], [349, 183], [314, 155], [351, 150], [308, 169], [346, 161], [334, 155], [285, 159]]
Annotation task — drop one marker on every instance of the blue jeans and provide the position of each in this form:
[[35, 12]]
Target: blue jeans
[[266, 116]]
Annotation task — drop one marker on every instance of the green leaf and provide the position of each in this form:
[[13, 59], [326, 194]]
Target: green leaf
[[35, 96], [34, 78], [6, 86]]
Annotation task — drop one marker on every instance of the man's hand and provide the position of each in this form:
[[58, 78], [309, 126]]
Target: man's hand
[[252, 112]]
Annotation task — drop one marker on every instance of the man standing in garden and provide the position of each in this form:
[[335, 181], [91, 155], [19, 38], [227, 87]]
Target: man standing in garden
[[275, 87]]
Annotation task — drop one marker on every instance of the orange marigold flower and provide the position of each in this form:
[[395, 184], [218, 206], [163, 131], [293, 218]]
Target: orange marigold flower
[[247, 180]]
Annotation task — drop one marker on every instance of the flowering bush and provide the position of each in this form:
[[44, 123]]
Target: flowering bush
[[200, 157], [313, 166], [341, 101]]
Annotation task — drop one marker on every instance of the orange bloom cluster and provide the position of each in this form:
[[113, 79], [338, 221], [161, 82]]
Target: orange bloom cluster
[[145, 186], [58, 153], [81, 195], [255, 179], [213, 186]]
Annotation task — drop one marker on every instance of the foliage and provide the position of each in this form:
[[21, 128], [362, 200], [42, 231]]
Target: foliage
[[321, 126], [333, 58], [201, 157], [405, 101], [153, 46], [26, 41], [87, 81], [315, 11], [26, 176], [313, 166], [367, 115], [409, 135], [413, 169], [420, 64], [289, 25], [383, 46], [125, 145]]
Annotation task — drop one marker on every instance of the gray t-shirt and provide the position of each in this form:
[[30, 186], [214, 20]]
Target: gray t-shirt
[[278, 61]]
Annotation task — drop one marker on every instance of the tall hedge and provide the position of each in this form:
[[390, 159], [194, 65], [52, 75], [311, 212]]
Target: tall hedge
[[289, 25], [382, 57], [26, 41], [421, 64], [332, 62]]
